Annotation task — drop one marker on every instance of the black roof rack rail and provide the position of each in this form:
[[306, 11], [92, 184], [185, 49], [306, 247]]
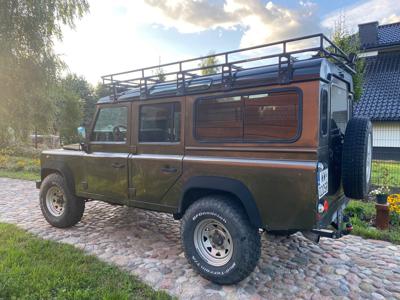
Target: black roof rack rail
[[181, 71]]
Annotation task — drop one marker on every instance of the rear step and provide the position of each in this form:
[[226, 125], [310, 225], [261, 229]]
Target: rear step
[[315, 234]]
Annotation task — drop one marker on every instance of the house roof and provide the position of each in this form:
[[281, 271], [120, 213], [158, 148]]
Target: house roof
[[375, 36], [380, 100], [389, 34]]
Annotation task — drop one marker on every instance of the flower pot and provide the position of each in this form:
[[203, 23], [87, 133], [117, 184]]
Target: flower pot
[[381, 198]]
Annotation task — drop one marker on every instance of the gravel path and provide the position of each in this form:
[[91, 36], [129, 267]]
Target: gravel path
[[147, 244]]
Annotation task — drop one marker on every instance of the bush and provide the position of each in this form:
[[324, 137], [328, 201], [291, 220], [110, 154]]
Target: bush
[[19, 164], [364, 211], [363, 217]]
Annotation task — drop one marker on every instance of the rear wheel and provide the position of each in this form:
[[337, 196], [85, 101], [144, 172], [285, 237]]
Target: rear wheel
[[219, 240], [59, 206], [357, 158]]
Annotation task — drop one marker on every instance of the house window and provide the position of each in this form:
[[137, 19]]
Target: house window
[[111, 125], [160, 123], [265, 117]]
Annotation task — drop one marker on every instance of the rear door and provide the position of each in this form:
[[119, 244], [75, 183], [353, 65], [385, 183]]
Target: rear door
[[157, 163], [335, 110]]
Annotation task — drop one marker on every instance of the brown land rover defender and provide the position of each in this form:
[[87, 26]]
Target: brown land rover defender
[[265, 142]]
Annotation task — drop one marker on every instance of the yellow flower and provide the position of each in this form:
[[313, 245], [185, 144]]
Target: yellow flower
[[394, 203]]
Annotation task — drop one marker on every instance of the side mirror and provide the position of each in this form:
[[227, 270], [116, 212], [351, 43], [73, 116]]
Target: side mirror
[[81, 133], [82, 138]]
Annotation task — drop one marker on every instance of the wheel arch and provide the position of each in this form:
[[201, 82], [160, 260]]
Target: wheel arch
[[201, 186], [61, 169]]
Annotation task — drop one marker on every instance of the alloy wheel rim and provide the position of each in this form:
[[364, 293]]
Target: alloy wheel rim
[[213, 242], [55, 201]]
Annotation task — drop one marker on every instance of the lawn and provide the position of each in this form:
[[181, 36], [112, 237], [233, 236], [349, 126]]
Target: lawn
[[32, 268], [363, 217]]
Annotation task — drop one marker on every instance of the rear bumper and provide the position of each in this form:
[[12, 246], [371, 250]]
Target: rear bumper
[[336, 219], [336, 207], [38, 184]]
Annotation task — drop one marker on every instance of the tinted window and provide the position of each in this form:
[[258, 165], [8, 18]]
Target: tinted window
[[270, 116], [111, 125], [324, 112], [219, 118], [160, 122], [247, 118]]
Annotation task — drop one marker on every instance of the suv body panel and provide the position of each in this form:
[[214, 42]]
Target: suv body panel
[[279, 178]]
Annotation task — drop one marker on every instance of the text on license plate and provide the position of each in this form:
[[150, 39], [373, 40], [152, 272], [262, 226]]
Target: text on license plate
[[322, 183]]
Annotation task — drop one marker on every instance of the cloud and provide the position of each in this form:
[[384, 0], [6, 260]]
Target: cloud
[[110, 39], [384, 11], [260, 23]]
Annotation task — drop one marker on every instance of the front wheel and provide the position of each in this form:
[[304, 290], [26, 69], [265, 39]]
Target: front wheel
[[59, 206], [219, 241]]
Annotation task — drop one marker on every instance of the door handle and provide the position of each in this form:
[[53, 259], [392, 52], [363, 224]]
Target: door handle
[[168, 169], [118, 165]]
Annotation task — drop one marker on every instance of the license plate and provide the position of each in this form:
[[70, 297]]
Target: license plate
[[322, 183]]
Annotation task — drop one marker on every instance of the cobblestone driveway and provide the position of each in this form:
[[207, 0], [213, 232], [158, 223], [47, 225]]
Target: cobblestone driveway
[[148, 245]]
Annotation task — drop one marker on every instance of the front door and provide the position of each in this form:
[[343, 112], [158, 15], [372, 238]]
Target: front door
[[107, 160], [157, 163]]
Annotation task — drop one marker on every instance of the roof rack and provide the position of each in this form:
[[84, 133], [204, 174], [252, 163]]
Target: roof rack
[[282, 53]]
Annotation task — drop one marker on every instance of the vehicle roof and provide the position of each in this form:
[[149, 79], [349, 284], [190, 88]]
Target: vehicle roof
[[304, 70], [312, 57]]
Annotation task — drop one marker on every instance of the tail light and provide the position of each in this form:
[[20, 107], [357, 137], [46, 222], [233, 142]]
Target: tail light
[[323, 206]]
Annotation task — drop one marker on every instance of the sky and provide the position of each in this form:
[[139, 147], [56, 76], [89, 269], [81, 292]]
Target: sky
[[121, 35]]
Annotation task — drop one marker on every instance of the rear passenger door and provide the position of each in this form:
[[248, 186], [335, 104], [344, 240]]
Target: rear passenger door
[[157, 163]]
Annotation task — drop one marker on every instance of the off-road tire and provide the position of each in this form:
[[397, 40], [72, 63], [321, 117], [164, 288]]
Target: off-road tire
[[245, 238], [73, 207], [354, 160]]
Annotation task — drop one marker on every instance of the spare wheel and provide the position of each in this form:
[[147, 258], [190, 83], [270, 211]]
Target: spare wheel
[[357, 158]]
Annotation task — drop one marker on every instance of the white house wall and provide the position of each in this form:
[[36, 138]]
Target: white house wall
[[386, 134]]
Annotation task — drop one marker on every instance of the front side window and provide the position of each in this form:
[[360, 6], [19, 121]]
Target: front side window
[[160, 123], [111, 125], [262, 117]]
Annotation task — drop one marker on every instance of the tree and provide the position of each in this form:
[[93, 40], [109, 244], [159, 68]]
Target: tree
[[70, 107], [210, 62], [78, 86], [350, 43], [29, 68], [160, 74]]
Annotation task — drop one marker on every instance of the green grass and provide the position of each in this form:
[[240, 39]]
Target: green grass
[[378, 168], [32, 268], [20, 175], [19, 167], [363, 216]]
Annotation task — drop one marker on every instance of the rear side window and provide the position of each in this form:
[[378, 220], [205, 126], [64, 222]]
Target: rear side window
[[324, 112], [111, 125], [160, 123], [262, 117], [219, 118]]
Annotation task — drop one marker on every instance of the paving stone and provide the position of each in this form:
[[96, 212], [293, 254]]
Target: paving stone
[[148, 245]]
